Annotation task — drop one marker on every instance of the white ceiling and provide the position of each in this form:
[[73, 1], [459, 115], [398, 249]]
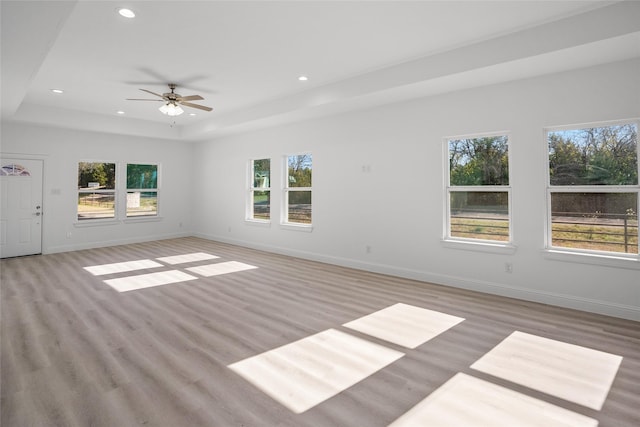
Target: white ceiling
[[244, 57]]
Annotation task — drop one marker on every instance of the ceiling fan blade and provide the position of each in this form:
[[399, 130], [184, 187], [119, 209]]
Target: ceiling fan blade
[[190, 98], [152, 93], [140, 99], [200, 107]]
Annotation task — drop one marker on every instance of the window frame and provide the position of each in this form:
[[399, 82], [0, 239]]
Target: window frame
[[114, 192], [120, 192], [613, 258], [251, 189], [128, 190], [286, 189], [470, 243]]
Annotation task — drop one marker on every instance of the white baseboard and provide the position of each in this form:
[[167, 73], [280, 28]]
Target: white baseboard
[[501, 289], [106, 243]]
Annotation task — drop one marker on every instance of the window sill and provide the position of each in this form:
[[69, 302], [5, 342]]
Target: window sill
[[617, 261], [257, 223], [487, 247], [133, 220], [106, 222], [95, 222], [307, 228]]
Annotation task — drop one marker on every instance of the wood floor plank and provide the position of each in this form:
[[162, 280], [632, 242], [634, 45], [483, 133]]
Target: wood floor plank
[[75, 352]]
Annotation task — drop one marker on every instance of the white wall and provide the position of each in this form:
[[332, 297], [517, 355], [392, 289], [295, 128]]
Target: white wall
[[63, 149], [397, 208]]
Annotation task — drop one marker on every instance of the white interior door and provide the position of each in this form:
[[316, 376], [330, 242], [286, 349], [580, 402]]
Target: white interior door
[[20, 207]]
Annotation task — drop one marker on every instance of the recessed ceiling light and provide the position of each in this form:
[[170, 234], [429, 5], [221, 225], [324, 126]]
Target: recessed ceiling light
[[303, 78], [127, 13], [57, 91], [192, 114], [120, 112]]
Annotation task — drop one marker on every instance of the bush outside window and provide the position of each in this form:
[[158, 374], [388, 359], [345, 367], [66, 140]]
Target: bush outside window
[[478, 192], [593, 190]]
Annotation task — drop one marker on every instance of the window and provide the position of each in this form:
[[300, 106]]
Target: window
[[593, 188], [105, 192], [96, 190], [297, 190], [259, 200], [478, 192], [142, 190]]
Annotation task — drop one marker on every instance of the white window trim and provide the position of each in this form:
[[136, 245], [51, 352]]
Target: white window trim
[[284, 223], [489, 246], [587, 256], [605, 259], [95, 222], [249, 211], [91, 222], [292, 226], [120, 197], [140, 218]]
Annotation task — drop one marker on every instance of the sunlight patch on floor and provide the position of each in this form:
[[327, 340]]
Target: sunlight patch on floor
[[307, 372], [468, 401], [220, 268], [121, 267], [405, 325], [181, 259], [570, 372], [131, 283]]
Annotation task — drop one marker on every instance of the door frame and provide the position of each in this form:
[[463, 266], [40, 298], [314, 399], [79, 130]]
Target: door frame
[[43, 159]]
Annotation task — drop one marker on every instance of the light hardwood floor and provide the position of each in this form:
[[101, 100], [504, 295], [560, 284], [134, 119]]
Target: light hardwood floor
[[75, 352]]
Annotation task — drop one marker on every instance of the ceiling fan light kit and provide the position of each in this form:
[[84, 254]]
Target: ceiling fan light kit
[[173, 101], [171, 109]]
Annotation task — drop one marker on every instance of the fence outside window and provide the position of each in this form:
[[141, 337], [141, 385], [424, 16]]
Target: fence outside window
[[594, 231]]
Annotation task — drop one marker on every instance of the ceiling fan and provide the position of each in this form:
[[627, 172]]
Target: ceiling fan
[[173, 101]]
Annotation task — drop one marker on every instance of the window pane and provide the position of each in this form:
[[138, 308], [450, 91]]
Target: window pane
[[142, 176], [596, 221], [96, 205], [594, 156], [299, 168], [98, 176], [480, 215], [261, 204], [262, 173], [299, 207], [142, 203], [479, 161]]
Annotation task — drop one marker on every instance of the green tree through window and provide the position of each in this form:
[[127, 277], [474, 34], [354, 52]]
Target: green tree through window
[[593, 188], [298, 189], [478, 189], [479, 161], [594, 156], [104, 174], [142, 190], [96, 190], [259, 198]]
